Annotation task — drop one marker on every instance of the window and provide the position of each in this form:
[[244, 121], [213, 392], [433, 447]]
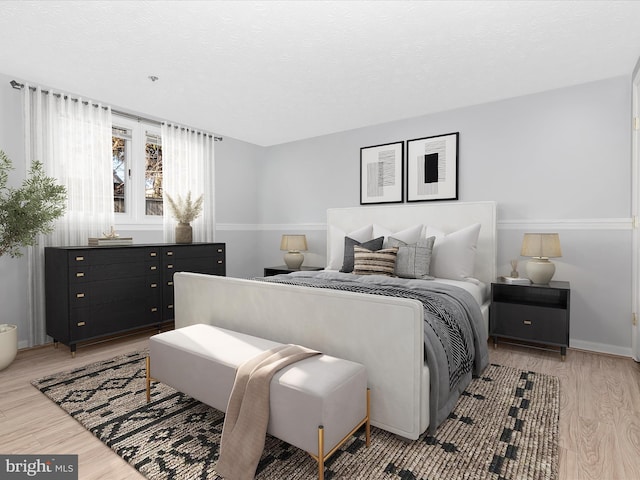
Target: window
[[120, 144], [153, 175], [137, 171]]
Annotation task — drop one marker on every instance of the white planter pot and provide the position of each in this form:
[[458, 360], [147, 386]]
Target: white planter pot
[[8, 344]]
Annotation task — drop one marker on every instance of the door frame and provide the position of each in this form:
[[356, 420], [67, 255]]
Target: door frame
[[635, 206]]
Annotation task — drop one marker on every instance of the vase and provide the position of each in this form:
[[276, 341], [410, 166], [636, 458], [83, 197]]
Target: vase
[[184, 233], [8, 344]]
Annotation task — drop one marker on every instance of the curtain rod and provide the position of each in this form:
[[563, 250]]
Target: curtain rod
[[19, 86]]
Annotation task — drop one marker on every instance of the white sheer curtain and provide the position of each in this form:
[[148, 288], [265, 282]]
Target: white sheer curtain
[[72, 138], [188, 166]]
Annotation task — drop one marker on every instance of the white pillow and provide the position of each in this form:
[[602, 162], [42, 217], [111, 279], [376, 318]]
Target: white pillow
[[454, 255], [336, 237], [409, 235], [433, 232]]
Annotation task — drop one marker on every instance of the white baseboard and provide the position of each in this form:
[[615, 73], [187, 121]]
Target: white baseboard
[[601, 348]]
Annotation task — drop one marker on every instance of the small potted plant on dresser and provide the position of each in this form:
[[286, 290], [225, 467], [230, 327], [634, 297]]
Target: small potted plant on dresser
[[25, 212], [185, 211]]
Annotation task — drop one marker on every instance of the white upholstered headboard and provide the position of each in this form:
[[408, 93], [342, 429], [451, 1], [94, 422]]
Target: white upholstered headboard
[[447, 217]]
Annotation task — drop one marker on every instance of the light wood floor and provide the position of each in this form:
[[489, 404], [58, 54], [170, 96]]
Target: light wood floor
[[599, 410]]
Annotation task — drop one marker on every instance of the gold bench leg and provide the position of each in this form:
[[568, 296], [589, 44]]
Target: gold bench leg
[[321, 452], [367, 428], [322, 457]]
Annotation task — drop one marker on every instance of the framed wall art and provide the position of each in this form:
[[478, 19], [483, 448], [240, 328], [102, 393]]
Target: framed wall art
[[432, 168], [382, 173]]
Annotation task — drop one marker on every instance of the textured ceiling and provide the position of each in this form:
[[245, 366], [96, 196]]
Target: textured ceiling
[[274, 72]]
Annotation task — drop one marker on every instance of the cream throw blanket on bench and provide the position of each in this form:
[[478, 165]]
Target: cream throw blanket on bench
[[247, 417]]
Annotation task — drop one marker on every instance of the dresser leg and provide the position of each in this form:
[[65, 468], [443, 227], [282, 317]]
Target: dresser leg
[[563, 353], [73, 350]]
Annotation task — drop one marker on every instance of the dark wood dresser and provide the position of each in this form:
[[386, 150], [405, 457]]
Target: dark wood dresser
[[94, 292]]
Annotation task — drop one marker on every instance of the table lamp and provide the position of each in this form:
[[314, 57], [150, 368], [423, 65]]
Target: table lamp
[[540, 247], [293, 244]]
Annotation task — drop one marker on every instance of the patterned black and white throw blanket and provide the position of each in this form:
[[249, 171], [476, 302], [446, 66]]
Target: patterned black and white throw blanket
[[455, 338]]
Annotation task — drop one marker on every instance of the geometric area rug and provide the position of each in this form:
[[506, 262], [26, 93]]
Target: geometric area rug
[[504, 427]]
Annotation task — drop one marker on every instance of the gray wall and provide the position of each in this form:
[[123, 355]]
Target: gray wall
[[555, 161], [13, 271]]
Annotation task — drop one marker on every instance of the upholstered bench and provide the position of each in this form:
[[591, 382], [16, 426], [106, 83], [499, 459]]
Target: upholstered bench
[[315, 404]]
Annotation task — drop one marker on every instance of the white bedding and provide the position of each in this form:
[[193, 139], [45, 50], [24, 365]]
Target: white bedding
[[476, 288]]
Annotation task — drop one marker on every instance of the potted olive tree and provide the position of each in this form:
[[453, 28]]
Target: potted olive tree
[[25, 212]]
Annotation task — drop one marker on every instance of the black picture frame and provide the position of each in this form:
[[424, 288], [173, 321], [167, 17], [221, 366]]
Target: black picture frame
[[382, 173], [432, 168]]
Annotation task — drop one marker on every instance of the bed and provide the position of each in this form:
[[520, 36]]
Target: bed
[[385, 333]]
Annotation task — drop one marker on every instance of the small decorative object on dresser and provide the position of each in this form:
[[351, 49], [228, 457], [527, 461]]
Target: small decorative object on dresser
[[110, 239], [514, 269], [185, 211], [293, 244], [531, 313]]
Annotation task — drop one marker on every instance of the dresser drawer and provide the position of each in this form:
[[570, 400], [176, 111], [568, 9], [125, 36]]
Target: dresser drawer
[[96, 320], [527, 322], [111, 255], [194, 251], [114, 271], [113, 291]]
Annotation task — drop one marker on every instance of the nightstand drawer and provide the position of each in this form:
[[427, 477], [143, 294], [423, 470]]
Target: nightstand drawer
[[526, 322]]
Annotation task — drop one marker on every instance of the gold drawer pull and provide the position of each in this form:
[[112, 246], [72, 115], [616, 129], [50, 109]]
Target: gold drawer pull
[[170, 265], [79, 259], [81, 324], [79, 295], [169, 306], [170, 283], [153, 267], [527, 322], [169, 253], [80, 274], [220, 261], [153, 254], [154, 309], [154, 285], [220, 250]]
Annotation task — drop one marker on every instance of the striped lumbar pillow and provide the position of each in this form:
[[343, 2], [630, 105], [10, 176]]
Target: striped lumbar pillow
[[374, 262]]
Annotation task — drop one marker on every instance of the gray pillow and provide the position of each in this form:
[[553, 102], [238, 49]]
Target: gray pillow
[[413, 261], [349, 243]]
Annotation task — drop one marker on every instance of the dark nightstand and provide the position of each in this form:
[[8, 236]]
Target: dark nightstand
[[531, 313], [269, 271]]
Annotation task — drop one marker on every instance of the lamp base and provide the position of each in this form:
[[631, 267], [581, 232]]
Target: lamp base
[[540, 270], [293, 260]]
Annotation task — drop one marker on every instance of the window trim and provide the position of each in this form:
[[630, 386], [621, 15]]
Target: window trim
[[134, 183]]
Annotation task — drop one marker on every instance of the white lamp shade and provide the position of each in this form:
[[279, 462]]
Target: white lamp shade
[[541, 245], [293, 243]]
